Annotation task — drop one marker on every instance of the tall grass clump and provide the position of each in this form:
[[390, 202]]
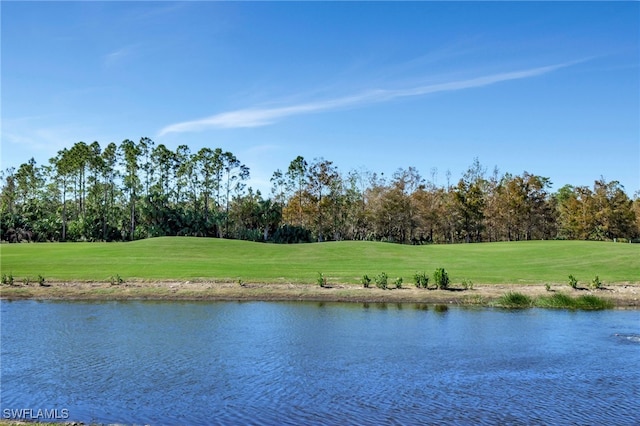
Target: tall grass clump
[[514, 300], [555, 301], [441, 278], [590, 302], [573, 282], [563, 301]]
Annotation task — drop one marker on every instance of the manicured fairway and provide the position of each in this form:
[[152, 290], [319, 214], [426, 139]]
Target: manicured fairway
[[183, 258]]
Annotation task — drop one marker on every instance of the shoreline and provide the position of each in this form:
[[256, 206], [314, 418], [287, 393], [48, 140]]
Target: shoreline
[[621, 295]]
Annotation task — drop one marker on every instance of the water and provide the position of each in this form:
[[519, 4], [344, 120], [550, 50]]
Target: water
[[307, 363]]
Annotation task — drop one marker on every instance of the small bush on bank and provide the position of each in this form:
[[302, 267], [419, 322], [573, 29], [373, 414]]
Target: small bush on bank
[[467, 284], [398, 282], [321, 279], [573, 282], [116, 280], [547, 286], [365, 281], [420, 279], [7, 279], [441, 279], [381, 280], [26, 280], [41, 280], [596, 284]]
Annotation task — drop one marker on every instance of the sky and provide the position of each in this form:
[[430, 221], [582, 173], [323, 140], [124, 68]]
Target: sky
[[550, 88]]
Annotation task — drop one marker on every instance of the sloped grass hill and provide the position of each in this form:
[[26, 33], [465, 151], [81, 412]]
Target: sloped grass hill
[[184, 258]]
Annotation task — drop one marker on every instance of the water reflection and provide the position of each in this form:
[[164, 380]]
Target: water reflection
[[440, 309]]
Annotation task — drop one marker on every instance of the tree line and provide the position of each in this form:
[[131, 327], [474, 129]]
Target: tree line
[[140, 190]]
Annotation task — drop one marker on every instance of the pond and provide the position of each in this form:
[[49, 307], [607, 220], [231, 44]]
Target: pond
[[265, 363]]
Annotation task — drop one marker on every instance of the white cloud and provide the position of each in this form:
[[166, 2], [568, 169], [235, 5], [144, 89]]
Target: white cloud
[[255, 117]]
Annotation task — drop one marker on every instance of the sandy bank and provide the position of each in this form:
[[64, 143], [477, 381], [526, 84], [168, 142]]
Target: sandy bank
[[622, 295]]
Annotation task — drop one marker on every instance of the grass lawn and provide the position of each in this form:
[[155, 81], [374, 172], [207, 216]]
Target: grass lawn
[[184, 258]]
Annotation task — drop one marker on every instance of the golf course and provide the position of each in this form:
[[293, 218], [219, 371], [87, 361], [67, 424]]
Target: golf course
[[184, 258], [184, 267]]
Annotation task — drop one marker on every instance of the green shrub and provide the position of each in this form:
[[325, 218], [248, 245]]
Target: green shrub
[[41, 280], [381, 280], [596, 283], [573, 282], [26, 280], [441, 278], [514, 300], [467, 284], [7, 279], [117, 280], [398, 282], [365, 281], [321, 279], [547, 286], [420, 279]]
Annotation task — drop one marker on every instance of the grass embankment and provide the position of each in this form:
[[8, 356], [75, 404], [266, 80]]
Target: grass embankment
[[161, 267], [177, 258]]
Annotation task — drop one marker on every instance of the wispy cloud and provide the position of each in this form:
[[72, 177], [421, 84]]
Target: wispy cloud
[[255, 117], [118, 55], [40, 137]]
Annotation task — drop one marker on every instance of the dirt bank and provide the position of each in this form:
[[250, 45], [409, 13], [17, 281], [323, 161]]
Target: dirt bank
[[622, 295]]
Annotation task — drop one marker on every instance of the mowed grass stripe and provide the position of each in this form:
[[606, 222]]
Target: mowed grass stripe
[[181, 258]]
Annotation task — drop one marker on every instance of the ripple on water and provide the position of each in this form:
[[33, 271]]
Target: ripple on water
[[628, 338]]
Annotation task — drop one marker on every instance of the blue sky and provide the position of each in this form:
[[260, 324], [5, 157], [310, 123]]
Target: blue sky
[[549, 88]]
